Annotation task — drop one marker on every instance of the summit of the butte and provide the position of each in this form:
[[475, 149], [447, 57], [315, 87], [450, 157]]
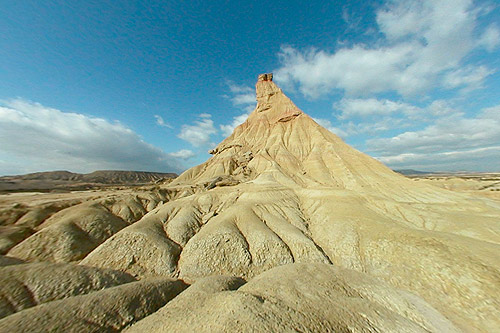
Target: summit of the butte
[[284, 228]]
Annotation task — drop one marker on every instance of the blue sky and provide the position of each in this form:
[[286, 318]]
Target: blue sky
[[153, 85]]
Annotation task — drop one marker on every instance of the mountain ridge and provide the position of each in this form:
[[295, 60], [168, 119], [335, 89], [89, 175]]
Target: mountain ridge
[[61, 179]]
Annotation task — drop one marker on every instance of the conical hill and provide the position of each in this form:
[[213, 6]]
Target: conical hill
[[278, 141]]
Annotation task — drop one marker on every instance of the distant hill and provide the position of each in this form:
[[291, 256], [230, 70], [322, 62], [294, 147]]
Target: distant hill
[[125, 177], [407, 172], [49, 175], [65, 180]]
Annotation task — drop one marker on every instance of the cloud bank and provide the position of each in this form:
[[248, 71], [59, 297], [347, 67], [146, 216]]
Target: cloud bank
[[34, 138], [455, 140]]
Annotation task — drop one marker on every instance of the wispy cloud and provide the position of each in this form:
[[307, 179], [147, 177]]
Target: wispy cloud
[[352, 21], [34, 137], [161, 122]]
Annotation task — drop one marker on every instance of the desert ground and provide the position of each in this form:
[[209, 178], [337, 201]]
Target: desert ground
[[16, 204], [485, 184], [284, 228]]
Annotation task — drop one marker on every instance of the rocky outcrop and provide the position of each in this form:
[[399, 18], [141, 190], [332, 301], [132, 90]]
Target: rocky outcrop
[[265, 77]]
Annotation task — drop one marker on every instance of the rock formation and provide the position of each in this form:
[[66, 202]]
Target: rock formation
[[297, 297], [328, 238], [28, 285], [107, 310]]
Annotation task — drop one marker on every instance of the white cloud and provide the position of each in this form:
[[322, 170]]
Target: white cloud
[[228, 129], [440, 108], [455, 132], [199, 134], [184, 154], [449, 139], [161, 122], [328, 125], [244, 98], [373, 107], [373, 127], [470, 77], [373, 115], [478, 159], [424, 39], [241, 95], [445, 156], [356, 70], [34, 138]]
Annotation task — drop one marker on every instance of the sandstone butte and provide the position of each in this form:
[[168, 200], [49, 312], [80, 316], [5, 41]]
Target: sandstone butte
[[284, 228]]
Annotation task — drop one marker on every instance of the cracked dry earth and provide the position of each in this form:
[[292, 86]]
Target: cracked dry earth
[[284, 228]]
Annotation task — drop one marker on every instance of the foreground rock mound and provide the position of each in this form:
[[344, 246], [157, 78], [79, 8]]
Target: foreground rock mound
[[73, 231], [108, 310], [27, 285], [297, 298], [361, 247]]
